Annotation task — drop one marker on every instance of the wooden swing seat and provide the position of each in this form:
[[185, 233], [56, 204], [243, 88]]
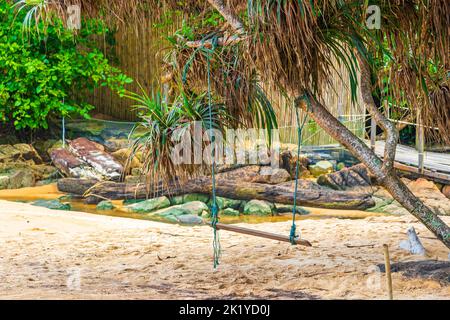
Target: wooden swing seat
[[261, 234]]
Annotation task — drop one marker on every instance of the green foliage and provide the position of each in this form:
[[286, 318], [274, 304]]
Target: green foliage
[[41, 70], [164, 123]]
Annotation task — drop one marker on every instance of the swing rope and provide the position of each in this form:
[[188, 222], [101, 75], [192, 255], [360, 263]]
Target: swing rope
[[293, 234], [214, 208]]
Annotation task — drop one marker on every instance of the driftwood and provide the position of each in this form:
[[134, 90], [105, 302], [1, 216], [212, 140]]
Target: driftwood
[[234, 189], [413, 244]]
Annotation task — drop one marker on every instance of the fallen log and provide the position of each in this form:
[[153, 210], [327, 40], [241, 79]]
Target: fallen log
[[322, 198]]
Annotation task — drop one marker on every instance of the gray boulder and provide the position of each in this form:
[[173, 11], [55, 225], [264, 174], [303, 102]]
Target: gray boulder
[[189, 219]]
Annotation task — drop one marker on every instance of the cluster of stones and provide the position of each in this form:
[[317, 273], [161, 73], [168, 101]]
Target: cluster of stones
[[194, 208], [21, 166]]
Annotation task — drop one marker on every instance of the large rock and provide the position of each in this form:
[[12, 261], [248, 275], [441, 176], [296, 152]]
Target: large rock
[[356, 176], [52, 204], [288, 161], [19, 152], [430, 194], [123, 155], [102, 162], [53, 146], [425, 190], [16, 176], [446, 191], [4, 182], [114, 144], [71, 166], [273, 175], [44, 172], [150, 205], [22, 175], [259, 208], [42, 147], [321, 167]]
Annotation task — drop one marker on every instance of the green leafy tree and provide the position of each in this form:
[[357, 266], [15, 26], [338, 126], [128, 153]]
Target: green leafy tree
[[41, 70]]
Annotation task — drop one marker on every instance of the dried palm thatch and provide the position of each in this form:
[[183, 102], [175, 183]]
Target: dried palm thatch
[[293, 43], [230, 77], [301, 38]]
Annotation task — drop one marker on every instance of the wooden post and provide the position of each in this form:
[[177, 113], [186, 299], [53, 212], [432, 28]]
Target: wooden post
[[387, 265], [420, 144], [373, 133]]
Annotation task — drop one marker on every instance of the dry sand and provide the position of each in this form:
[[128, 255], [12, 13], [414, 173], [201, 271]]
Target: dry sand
[[71, 255]]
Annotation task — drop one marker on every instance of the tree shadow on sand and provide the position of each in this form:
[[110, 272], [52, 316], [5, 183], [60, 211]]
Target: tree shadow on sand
[[427, 269]]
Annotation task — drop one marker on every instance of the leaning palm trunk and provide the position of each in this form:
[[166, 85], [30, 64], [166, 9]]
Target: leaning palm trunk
[[383, 170], [385, 175]]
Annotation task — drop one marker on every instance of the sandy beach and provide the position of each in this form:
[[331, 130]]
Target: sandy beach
[[71, 255]]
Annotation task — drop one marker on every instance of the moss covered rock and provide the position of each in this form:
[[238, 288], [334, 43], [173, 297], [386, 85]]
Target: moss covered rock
[[194, 208], [52, 204], [230, 212], [283, 209], [190, 197], [149, 205], [259, 208], [224, 203], [105, 205]]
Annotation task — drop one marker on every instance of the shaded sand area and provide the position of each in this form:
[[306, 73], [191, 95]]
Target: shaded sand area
[[57, 254]]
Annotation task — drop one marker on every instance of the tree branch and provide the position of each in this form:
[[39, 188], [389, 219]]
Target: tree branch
[[226, 40], [385, 176], [388, 127], [232, 19]]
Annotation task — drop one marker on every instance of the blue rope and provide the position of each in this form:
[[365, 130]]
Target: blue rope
[[293, 234], [214, 207]]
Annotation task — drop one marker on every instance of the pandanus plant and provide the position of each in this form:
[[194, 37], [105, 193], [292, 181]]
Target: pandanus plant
[[162, 125], [36, 11]]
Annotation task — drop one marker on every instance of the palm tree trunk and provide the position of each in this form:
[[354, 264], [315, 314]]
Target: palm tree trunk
[[386, 175], [384, 171]]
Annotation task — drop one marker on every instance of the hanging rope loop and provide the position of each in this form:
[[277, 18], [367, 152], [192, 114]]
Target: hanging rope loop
[[293, 234], [214, 207]]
